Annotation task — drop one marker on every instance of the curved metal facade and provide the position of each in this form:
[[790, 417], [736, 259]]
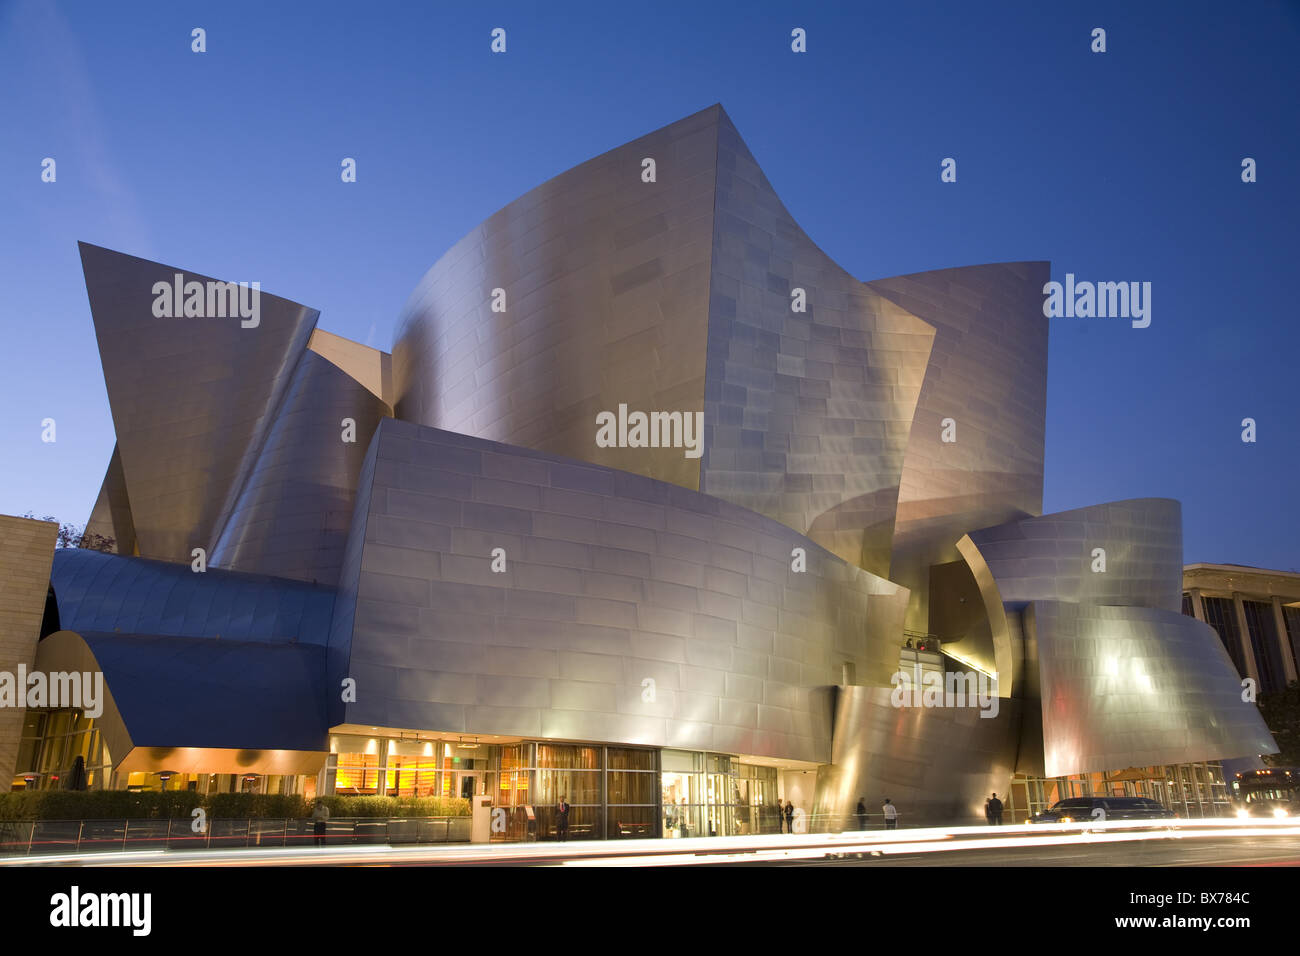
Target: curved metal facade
[[807, 414], [607, 287], [1124, 679], [936, 764], [199, 706], [111, 516], [1137, 687], [292, 515], [112, 593], [987, 373], [611, 580], [190, 396], [646, 597], [1051, 557], [676, 296]]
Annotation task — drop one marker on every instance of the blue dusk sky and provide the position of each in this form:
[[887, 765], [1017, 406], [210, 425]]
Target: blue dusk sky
[[1117, 166]]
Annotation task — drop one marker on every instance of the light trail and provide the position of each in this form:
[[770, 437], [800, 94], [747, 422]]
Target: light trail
[[692, 851]]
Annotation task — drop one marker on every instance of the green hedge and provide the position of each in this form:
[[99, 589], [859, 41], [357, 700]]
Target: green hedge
[[96, 805], [124, 805], [396, 807]]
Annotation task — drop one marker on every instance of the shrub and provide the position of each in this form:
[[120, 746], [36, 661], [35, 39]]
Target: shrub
[[343, 806], [243, 806], [97, 804], [175, 804]]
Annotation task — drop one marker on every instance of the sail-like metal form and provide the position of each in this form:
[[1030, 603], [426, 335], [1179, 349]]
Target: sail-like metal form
[[292, 514], [475, 536], [191, 396], [697, 292], [617, 607]]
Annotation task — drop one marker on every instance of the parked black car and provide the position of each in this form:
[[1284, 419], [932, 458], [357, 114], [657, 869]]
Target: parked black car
[[1086, 809]]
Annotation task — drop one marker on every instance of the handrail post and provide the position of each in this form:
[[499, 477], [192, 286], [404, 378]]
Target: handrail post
[[81, 825], [126, 829]]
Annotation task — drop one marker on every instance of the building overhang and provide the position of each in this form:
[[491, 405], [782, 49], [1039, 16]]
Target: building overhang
[[199, 705]]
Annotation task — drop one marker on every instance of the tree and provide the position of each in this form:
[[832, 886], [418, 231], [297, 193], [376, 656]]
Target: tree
[[1281, 712], [75, 536]]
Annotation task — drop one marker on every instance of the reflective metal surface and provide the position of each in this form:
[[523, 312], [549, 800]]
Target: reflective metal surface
[[807, 414], [111, 516], [612, 581], [190, 396], [933, 763], [292, 515], [109, 592], [988, 373], [1051, 557], [617, 289], [1137, 687], [646, 597], [202, 706], [606, 279]]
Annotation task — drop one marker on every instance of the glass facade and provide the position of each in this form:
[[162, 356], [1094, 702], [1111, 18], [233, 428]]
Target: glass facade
[[1291, 617], [715, 795], [610, 790], [1264, 643], [1192, 791], [1221, 614], [58, 745]]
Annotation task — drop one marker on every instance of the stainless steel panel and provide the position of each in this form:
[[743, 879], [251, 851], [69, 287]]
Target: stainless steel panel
[[395, 620], [987, 372], [191, 397], [1137, 687], [936, 764]]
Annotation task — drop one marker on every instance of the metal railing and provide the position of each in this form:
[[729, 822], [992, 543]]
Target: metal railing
[[27, 837]]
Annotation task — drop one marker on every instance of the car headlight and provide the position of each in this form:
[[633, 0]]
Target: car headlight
[[1279, 812], [1243, 814], [1065, 820]]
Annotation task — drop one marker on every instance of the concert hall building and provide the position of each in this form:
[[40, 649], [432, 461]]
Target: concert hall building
[[335, 569]]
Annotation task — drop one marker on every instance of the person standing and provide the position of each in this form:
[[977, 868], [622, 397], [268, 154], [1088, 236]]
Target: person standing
[[789, 817], [891, 815], [562, 819], [862, 813], [320, 817], [995, 811]]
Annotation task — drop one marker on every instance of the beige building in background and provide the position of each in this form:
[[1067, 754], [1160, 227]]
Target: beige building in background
[[1256, 613], [26, 553]]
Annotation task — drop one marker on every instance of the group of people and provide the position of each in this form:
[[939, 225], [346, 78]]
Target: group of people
[[887, 810], [784, 816]]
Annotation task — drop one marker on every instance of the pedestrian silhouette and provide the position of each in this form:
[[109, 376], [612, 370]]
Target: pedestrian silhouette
[[891, 815]]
